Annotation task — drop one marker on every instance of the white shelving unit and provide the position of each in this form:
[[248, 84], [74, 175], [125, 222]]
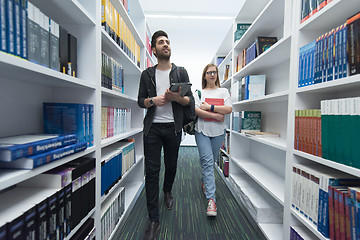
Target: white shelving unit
[[25, 86], [268, 162]]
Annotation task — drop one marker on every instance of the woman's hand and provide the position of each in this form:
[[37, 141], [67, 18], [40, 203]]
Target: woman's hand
[[219, 117], [205, 106]]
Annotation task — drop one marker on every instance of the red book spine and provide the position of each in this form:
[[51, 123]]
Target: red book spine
[[331, 213]]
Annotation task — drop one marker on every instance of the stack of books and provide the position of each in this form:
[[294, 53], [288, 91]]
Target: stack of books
[[32, 151]]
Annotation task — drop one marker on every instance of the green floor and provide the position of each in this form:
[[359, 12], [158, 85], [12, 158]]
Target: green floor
[[188, 220]]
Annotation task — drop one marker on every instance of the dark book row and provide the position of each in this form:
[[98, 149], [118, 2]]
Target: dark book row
[[333, 55], [28, 33], [116, 160], [310, 7], [112, 74], [54, 206], [247, 55]]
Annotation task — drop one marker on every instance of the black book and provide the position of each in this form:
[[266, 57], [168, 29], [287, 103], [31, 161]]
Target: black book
[[264, 43], [16, 229], [76, 203], [72, 55], [63, 50], [30, 223], [353, 44], [3, 232], [68, 213], [42, 220], [61, 213], [52, 216]]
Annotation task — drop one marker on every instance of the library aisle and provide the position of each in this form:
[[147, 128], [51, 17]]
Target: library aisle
[[188, 220]]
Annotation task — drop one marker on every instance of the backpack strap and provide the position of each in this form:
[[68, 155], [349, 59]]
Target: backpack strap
[[199, 93], [178, 69]]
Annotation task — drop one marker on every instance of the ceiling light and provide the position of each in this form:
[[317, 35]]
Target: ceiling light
[[184, 16]]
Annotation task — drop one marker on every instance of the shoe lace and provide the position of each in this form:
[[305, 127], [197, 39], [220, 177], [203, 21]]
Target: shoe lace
[[211, 205]]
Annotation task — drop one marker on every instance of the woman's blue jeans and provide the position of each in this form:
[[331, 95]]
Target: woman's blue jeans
[[209, 148]]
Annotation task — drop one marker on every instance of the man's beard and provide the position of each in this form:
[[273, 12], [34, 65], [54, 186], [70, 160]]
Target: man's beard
[[162, 56]]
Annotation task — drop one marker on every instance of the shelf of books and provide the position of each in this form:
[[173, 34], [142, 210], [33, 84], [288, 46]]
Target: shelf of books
[[260, 91], [69, 84]]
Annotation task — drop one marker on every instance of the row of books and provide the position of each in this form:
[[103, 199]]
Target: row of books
[[309, 8], [241, 28], [86, 231], [116, 160], [248, 88], [148, 43], [32, 151], [324, 59], [223, 163], [114, 121], [297, 233], [28, 33], [115, 26], [308, 131], [111, 213], [112, 73], [246, 121], [226, 144], [340, 129], [50, 211], [70, 118], [313, 196], [260, 45]]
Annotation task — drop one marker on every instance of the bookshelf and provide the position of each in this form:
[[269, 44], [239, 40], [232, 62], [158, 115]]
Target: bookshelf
[[26, 85], [268, 162]]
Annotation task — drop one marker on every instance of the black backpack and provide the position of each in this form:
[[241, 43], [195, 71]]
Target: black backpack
[[189, 116]]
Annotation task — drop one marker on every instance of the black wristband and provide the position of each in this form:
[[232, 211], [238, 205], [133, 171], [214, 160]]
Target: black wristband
[[212, 108]]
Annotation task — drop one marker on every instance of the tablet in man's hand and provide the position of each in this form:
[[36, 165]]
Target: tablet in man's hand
[[185, 87]]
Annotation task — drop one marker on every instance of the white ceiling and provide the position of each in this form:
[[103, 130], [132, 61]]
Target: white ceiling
[[194, 33]]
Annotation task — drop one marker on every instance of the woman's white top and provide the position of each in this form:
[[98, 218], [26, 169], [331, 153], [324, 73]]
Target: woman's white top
[[211, 128]]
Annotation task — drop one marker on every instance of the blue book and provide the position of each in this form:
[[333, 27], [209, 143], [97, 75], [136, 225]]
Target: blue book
[[65, 118], [301, 56], [330, 58], [3, 42], [23, 30], [35, 161], [10, 29], [340, 51], [344, 52], [336, 53], [91, 123], [324, 57], [21, 146], [312, 62], [17, 27], [316, 61]]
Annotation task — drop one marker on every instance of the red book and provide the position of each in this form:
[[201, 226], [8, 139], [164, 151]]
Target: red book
[[216, 102]]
